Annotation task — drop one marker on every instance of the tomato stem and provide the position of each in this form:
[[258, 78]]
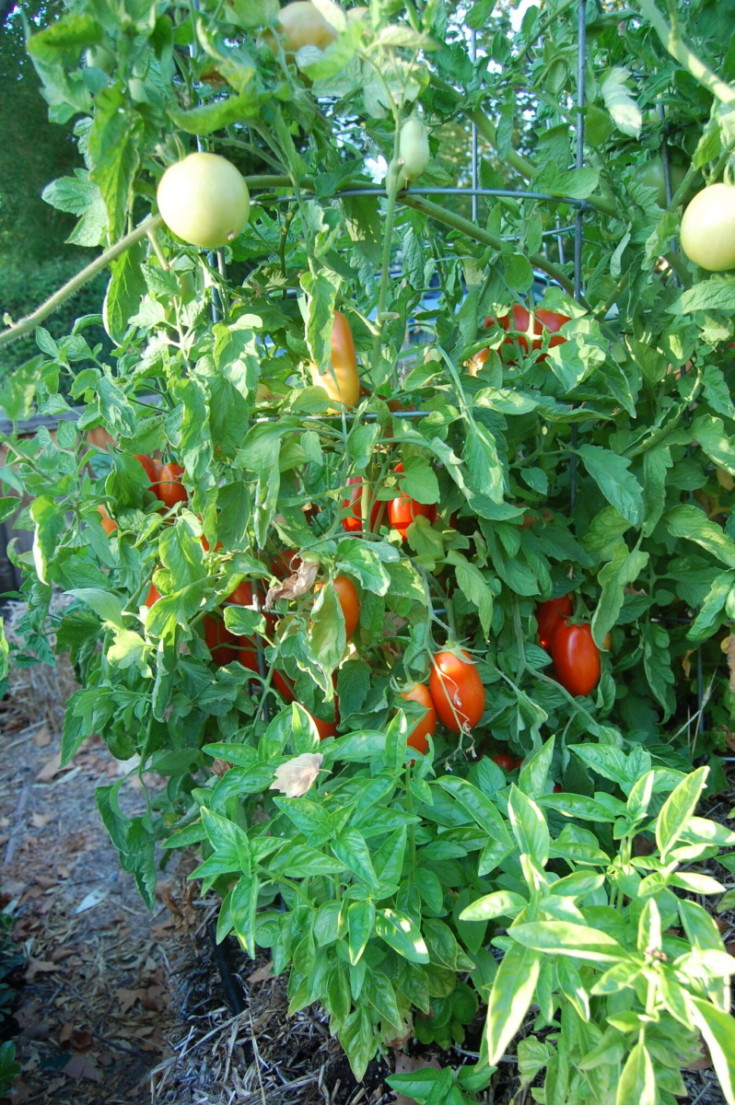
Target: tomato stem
[[677, 47], [464, 226]]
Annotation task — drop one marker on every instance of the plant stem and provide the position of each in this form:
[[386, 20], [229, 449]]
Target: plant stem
[[464, 226], [675, 45]]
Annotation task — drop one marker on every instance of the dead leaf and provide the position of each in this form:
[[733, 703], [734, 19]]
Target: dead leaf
[[406, 1064], [42, 739], [296, 776], [50, 769], [297, 584], [728, 647], [79, 1066], [261, 974], [41, 820], [81, 1039], [128, 998]]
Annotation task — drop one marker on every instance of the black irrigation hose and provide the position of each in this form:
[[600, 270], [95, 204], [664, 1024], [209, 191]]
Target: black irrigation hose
[[225, 961]]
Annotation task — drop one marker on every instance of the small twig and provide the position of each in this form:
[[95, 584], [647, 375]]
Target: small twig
[[18, 823]]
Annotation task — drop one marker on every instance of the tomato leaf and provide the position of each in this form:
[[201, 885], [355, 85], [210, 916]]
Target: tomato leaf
[[617, 483], [715, 294], [623, 109], [690, 522]]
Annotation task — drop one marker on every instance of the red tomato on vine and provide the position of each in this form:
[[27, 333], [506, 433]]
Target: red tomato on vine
[[549, 616], [456, 690], [425, 725], [169, 487], [402, 510], [576, 658]]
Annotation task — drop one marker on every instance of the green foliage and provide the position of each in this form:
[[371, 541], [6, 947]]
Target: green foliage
[[594, 460]]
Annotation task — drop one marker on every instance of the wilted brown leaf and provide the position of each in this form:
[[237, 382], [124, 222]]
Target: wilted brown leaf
[[296, 776], [297, 584]]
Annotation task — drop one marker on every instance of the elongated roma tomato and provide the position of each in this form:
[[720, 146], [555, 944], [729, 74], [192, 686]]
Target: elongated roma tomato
[[549, 616], [349, 600], [169, 488], [456, 690], [341, 381], [402, 510], [576, 658], [425, 725], [526, 331], [109, 525], [413, 149], [352, 521]]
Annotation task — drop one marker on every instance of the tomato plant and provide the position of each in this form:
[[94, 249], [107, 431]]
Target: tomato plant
[[576, 658], [456, 690], [592, 458], [426, 725], [204, 200], [549, 616], [707, 228]]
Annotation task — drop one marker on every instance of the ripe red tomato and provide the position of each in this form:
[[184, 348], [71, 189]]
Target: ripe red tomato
[[242, 595], [425, 725], [153, 595], [169, 487], [219, 640], [352, 522], [576, 658], [326, 728], [456, 690], [526, 330], [152, 468], [341, 380], [349, 600], [549, 616], [109, 525], [506, 761], [402, 511]]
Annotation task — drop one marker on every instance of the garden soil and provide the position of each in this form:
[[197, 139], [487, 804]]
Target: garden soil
[[116, 1005]]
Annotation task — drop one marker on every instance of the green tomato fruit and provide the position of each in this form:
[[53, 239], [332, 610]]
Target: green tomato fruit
[[707, 229], [204, 200], [413, 149]]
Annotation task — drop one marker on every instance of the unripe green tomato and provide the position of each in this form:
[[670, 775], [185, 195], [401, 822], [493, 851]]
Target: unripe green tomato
[[707, 229], [204, 200], [301, 24], [413, 149], [652, 175]]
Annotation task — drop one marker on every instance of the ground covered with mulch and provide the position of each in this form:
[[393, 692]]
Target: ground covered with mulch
[[115, 1004]]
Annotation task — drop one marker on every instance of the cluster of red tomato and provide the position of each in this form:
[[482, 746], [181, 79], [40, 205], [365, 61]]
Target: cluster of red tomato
[[571, 646], [455, 694]]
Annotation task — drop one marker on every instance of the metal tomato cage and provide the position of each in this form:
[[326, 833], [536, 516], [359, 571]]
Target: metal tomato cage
[[475, 192]]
